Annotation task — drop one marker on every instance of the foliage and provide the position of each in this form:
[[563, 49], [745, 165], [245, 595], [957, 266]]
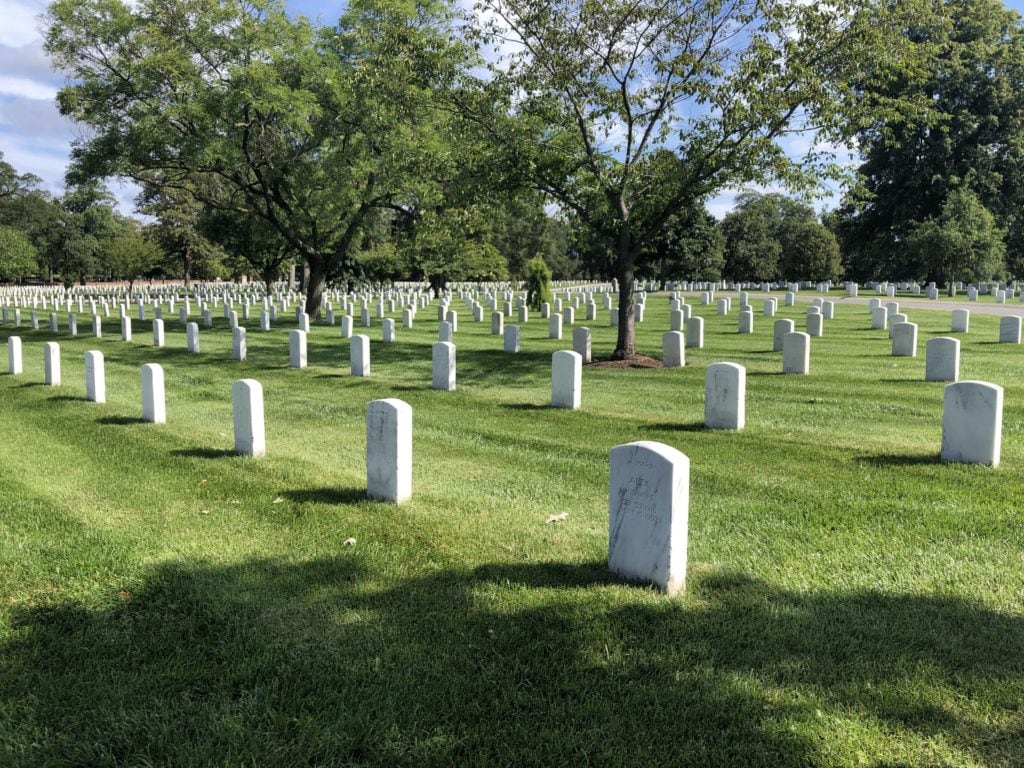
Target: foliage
[[179, 218], [691, 246], [810, 251], [309, 128], [970, 137], [130, 255], [962, 243], [538, 283], [627, 112], [17, 255], [451, 244]]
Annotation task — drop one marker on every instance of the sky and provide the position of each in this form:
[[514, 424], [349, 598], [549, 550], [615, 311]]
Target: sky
[[34, 138]]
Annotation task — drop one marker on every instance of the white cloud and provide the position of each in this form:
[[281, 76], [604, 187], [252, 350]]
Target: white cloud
[[21, 22], [26, 88]]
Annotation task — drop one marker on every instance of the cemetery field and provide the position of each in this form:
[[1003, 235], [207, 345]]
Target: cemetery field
[[850, 600]]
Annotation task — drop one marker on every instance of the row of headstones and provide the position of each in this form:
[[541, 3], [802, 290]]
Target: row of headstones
[[648, 499]]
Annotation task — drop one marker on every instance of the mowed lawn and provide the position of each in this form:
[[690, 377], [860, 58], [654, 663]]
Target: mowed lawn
[[851, 601]]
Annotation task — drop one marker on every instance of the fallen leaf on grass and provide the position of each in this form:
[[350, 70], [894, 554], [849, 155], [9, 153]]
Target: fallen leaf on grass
[[223, 434], [278, 500], [204, 511], [202, 482], [349, 542], [124, 594], [559, 518]]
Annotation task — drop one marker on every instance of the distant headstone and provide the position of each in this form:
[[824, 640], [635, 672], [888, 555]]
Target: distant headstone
[[780, 328], [444, 366], [972, 423], [725, 396], [388, 330], [154, 407], [942, 359], [815, 324], [673, 350], [961, 321], [14, 367], [555, 326], [497, 324], [511, 339], [444, 331], [904, 340], [389, 450], [297, 348], [566, 379], [158, 333], [95, 377], [359, 355], [1009, 329], [238, 345], [796, 353], [51, 364], [695, 332], [247, 410], [746, 323], [126, 328], [346, 326], [97, 326], [581, 343], [648, 509]]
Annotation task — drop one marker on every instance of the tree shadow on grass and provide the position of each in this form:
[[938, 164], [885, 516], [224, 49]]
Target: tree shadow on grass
[[327, 495], [530, 407], [65, 399], [274, 662]]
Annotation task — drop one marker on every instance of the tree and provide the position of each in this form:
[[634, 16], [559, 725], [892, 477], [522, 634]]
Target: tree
[[752, 247], [971, 136], [177, 229], [451, 244], [130, 255], [17, 255], [809, 251], [538, 283], [961, 243], [310, 129], [628, 111], [690, 247]]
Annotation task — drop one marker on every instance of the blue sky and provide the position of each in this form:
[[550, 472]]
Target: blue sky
[[35, 138]]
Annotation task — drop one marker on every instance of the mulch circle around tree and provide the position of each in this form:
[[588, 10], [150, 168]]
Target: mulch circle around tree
[[637, 361]]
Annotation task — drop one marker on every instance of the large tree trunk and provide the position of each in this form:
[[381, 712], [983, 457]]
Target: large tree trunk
[[315, 289], [625, 345]]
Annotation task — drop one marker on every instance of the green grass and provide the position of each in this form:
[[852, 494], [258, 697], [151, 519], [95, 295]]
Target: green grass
[[850, 601]]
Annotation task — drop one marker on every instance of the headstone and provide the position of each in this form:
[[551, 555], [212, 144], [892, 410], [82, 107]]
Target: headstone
[[815, 324], [746, 324], [723, 306], [894, 320], [297, 348], [566, 379], [388, 330], [695, 332], [1009, 329], [725, 396], [452, 318], [796, 353], [126, 328], [511, 339], [389, 450], [828, 309], [158, 333], [904, 340], [790, 299], [770, 307], [673, 354], [14, 362], [97, 326], [961, 321], [53, 323], [346, 326], [676, 320], [638, 312], [779, 330], [555, 326], [359, 355], [892, 308], [648, 509], [238, 346], [942, 359], [524, 315], [154, 405], [879, 319], [192, 337], [972, 423], [444, 366], [95, 377], [444, 331], [581, 343], [568, 316], [51, 364], [264, 320], [247, 410], [497, 324]]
